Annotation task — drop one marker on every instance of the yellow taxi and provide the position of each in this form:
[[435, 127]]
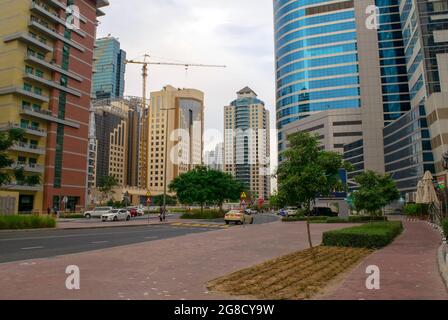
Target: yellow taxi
[[239, 217]]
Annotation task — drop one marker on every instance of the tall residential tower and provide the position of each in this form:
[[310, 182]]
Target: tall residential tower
[[45, 88], [246, 143]]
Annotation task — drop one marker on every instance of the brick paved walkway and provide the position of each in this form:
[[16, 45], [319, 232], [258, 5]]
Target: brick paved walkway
[[176, 268], [408, 269]]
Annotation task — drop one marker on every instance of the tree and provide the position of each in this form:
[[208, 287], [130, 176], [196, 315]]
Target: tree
[[223, 187], [308, 172], [106, 186], [276, 201], [374, 193], [7, 140], [158, 200], [203, 185]]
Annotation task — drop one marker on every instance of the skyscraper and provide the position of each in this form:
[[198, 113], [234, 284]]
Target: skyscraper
[[246, 143], [110, 66], [328, 58], [45, 88], [175, 139]]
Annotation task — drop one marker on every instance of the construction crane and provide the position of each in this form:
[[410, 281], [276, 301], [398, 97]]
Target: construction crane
[[146, 63]]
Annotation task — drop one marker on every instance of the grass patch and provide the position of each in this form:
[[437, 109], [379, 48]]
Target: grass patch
[[207, 214], [71, 216], [370, 235], [26, 222], [296, 276]]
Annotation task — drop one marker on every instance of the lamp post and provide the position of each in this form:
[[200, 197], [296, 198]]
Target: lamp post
[[165, 160]]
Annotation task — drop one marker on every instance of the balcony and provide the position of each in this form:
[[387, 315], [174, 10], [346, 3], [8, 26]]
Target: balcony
[[15, 186], [52, 33], [35, 7], [48, 116], [22, 92], [51, 84], [25, 37], [51, 66], [28, 148], [28, 167], [62, 6], [30, 130]]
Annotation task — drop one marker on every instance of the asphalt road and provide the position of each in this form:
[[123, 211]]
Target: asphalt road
[[26, 245]]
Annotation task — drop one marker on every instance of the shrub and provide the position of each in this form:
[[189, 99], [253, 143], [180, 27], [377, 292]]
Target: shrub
[[370, 235], [411, 209], [70, 216], [445, 227], [26, 222], [358, 219], [207, 214], [302, 218]]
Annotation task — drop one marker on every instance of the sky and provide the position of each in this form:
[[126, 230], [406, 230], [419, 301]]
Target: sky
[[235, 33]]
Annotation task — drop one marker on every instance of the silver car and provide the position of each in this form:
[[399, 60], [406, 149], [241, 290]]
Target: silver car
[[116, 215], [97, 212]]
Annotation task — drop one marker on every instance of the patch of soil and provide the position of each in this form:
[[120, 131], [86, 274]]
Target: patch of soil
[[296, 276]]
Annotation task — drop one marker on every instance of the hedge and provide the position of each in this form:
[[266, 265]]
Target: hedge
[[207, 214], [26, 222], [445, 227], [356, 219], [302, 218], [370, 235]]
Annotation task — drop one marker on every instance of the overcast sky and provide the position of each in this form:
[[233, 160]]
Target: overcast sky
[[236, 33]]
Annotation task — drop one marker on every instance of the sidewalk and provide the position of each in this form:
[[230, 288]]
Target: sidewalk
[[175, 268], [408, 267]]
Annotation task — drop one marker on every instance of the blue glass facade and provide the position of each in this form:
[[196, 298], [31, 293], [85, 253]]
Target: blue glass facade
[[316, 58], [108, 79], [407, 149], [394, 76]]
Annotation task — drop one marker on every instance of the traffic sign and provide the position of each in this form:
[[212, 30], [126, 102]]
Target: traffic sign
[[148, 194], [244, 195]]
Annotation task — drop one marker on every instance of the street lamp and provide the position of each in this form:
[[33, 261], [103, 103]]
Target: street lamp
[[165, 159]]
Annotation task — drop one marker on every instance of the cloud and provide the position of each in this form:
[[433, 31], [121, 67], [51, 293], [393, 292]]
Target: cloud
[[236, 33]]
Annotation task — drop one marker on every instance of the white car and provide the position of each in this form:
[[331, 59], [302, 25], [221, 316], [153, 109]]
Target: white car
[[116, 215], [97, 212]]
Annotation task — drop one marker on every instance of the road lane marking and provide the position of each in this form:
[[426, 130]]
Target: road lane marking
[[151, 238], [32, 248], [99, 242]]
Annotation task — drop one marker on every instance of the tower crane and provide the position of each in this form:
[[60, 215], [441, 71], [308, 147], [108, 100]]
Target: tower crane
[[145, 63]]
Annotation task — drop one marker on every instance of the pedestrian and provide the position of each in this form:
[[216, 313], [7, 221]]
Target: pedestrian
[[48, 211], [164, 213], [161, 214]]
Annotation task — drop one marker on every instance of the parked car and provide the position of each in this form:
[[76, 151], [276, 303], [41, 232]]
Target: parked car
[[97, 212], [288, 212], [239, 217], [323, 212], [116, 215]]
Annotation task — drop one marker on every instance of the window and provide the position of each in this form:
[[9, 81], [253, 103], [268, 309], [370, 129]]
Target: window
[[29, 70], [27, 87], [38, 91], [39, 73]]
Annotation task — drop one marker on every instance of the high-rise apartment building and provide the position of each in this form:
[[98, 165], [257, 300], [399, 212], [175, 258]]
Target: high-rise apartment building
[[247, 143], [117, 141], [109, 67], [45, 88], [175, 139], [214, 159]]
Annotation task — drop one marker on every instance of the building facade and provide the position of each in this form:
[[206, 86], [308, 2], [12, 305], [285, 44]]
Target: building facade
[[328, 58], [116, 144], [175, 135], [247, 143], [335, 128], [214, 159], [45, 87], [110, 67]]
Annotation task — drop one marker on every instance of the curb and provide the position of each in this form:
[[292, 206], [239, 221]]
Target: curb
[[442, 258]]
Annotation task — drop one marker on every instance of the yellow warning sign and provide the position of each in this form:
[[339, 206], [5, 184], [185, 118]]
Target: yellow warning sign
[[244, 195]]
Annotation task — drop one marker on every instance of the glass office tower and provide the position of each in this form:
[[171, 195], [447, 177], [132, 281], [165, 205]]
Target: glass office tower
[[109, 69], [316, 58]]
